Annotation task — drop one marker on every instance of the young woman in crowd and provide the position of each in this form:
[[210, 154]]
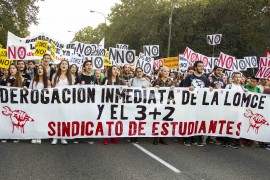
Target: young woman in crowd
[[138, 81], [97, 74], [62, 78], [112, 79], [74, 71], [14, 79], [39, 81], [163, 81], [5, 75]]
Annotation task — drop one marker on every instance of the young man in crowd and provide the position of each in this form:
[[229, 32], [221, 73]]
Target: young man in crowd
[[46, 63], [86, 77], [31, 69], [23, 68], [216, 81], [192, 81], [263, 84], [252, 85], [126, 76]]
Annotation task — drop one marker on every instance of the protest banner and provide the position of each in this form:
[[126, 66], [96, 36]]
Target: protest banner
[[122, 46], [4, 62], [192, 56], [41, 48], [151, 50], [53, 50], [214, 39], [145, 62], [122, 56], [171, 62], [226, 61], [86, 49], [96, 111], [98, 62]]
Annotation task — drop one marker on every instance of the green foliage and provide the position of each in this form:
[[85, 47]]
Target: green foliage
[[89, 35], [16, 17]]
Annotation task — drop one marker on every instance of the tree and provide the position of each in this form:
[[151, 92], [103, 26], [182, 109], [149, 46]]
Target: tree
[[89, 35], [16, 17]]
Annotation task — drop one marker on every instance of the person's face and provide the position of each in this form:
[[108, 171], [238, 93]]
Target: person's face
[[40, 71], [253, 82], [5, 71], [46, 60], [114, 71], [165, 73], [191, 71], [97, 74], [243, 80], [263, 82], [172, 75], [64, 66], [237, 79], [127, 69], [118, 71], [88, 67], [218, 72], [31, 65], [73, 69], [13, 70], [131, 74], [199, 69], [139, 73], [21, 65], [248, 81], [230, 81]]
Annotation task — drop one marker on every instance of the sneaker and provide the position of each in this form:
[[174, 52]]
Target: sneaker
[[204, 141], [267, 148], [55, 141], [233, 146], [200, 144], [106, 141], [187, 144], [38, 141], [3, 141], [75, 141], [194, 144], [216, 142], [33, 141], [90, 142], [115, 141], [16, 140], [241, 145], [63, 141]]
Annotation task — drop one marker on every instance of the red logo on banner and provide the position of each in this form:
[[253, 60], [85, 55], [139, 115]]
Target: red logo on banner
[[255, 120], [18, 118]]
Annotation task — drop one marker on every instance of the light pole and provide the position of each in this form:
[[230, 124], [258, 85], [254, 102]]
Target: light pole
[[92, 11], [170, 28]]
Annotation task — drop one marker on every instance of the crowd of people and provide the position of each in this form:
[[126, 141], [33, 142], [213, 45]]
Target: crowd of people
[[46, 75]]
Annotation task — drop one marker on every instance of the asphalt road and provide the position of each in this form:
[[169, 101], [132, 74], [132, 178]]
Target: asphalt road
[[126, 161]]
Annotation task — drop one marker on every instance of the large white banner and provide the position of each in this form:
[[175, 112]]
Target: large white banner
[[106, 111]]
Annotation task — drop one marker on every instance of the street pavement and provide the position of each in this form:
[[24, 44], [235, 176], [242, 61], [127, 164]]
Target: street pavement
[[127, 161]]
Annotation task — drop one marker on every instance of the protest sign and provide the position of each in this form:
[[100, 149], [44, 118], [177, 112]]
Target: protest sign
[[4, 62], [16, 52], [145, 62], [151, 50], [122, 46], [41, 48], [214, 39], [264, 69], [122, 56], [96, 111], [75, 59], [158, 63], [183, 63], [98, 62], [226, 61]]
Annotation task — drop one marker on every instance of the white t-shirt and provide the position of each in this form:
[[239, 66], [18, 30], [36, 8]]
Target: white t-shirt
[[62, 82], [236, 87], [38, 85]]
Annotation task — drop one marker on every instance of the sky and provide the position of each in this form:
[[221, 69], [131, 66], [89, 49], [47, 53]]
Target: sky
[[57, 17]]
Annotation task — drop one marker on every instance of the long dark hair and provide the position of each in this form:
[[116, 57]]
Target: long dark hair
[[77, 69], [109, 76], [44, 77], [18, 78], [58, 73]]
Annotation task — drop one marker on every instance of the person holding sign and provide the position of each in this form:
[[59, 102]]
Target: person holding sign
[[192, 81], [14, 79], [163, 81], [39, 81], [138, 81], [62, 78], [112, 79]]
